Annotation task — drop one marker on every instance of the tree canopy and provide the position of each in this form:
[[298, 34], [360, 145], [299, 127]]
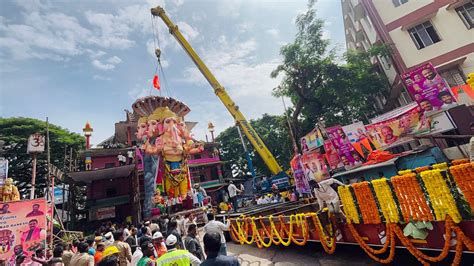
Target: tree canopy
[[320, 87], [14, 132], [273, 131]]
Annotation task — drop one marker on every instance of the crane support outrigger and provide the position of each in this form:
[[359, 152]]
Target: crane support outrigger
[[219, 90]]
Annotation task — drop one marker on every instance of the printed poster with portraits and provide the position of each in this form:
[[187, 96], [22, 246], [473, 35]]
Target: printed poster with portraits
[[428, 88], [22, 229], [387, 132], [315, 166], [311, 141], [301, 181], [348, 155], [331, 155]]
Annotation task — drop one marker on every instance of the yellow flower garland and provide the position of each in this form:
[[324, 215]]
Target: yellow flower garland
[[441, 198], [440, 166], [386, 201], [348, 204], [402, 172]]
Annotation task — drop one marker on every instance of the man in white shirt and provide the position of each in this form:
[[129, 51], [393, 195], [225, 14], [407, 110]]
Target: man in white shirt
[[218, 227], [233, 190], [325, 194], [130, 156]]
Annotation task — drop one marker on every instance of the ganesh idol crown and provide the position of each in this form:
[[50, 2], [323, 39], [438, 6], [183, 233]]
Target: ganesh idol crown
[[166, 143]]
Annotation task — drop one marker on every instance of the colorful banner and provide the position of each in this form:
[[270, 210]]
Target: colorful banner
[[312, 140], [428, 88], [388, 132], [358, 137], [331, 155], [301, 181], [22, 229], [346, 152], [3, 171], [355, 132], [315, 166]]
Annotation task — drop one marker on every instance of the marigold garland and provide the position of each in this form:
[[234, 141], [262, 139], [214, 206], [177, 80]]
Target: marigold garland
[[403, 172], [460, 161], [411, 199], [348, 204], [422, 169], [372, 252], [463, 175], [440, 166], [366, 202], [441, 198], [420, 255], [385, 198], [328, 242]]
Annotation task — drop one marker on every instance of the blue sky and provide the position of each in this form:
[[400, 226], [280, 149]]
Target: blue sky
[[78, 61]]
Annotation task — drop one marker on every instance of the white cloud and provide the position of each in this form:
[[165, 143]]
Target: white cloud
[[196, 17], [109, 63], [247, 82], [273, 32], [114, 60], [188, 32]]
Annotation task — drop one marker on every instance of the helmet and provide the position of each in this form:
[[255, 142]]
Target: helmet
[[110, 251]]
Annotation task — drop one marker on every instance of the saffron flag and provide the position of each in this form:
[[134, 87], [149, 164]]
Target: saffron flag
[[156, 82]]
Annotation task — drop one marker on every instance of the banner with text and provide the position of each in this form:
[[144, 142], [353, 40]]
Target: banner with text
[[22, 229]]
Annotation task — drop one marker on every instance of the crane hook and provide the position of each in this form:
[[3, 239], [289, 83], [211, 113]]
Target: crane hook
[[158, 53]]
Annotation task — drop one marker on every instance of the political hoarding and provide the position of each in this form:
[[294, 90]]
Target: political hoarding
[[387, 132], [312, 140], [345, 150], [428, 88], [301, 181], [315, 166], [22, 229]]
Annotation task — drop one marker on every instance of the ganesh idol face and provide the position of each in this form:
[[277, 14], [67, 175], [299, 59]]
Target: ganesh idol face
[[154, 128], [142, 130]]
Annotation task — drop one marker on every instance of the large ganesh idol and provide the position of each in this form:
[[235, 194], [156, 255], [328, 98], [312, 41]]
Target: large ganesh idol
[[174, 145], [164, 148]]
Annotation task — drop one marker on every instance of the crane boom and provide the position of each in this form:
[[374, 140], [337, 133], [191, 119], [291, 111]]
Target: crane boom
[[219, 90]]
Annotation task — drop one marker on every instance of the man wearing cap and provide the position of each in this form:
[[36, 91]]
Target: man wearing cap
[[109, 239], [176, 257], [159, 245], [82, 258], [111, 251]]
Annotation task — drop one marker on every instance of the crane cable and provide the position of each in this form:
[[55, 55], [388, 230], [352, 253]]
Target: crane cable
[[159, 67]]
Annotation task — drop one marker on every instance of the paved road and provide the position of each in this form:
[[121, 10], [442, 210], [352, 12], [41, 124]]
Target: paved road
[[313, 254]]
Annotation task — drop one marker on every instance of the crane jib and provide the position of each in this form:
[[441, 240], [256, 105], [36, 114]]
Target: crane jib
[[250, 133]]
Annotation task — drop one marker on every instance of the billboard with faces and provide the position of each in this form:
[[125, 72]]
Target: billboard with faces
[[428, 88]]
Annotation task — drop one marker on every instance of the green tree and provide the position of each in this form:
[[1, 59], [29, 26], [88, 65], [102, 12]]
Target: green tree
[[273, 130], [14, 133], [320, 88]]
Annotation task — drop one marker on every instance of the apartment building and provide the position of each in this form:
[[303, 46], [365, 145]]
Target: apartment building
[[418, 31]]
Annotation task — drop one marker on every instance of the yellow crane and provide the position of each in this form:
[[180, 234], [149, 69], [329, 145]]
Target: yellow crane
[[219, 90]]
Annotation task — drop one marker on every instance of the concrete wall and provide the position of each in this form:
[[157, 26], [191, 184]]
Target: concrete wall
[[452, 32], [389, 13]]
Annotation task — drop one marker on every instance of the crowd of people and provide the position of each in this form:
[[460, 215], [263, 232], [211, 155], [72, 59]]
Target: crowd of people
[[162, 241]]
